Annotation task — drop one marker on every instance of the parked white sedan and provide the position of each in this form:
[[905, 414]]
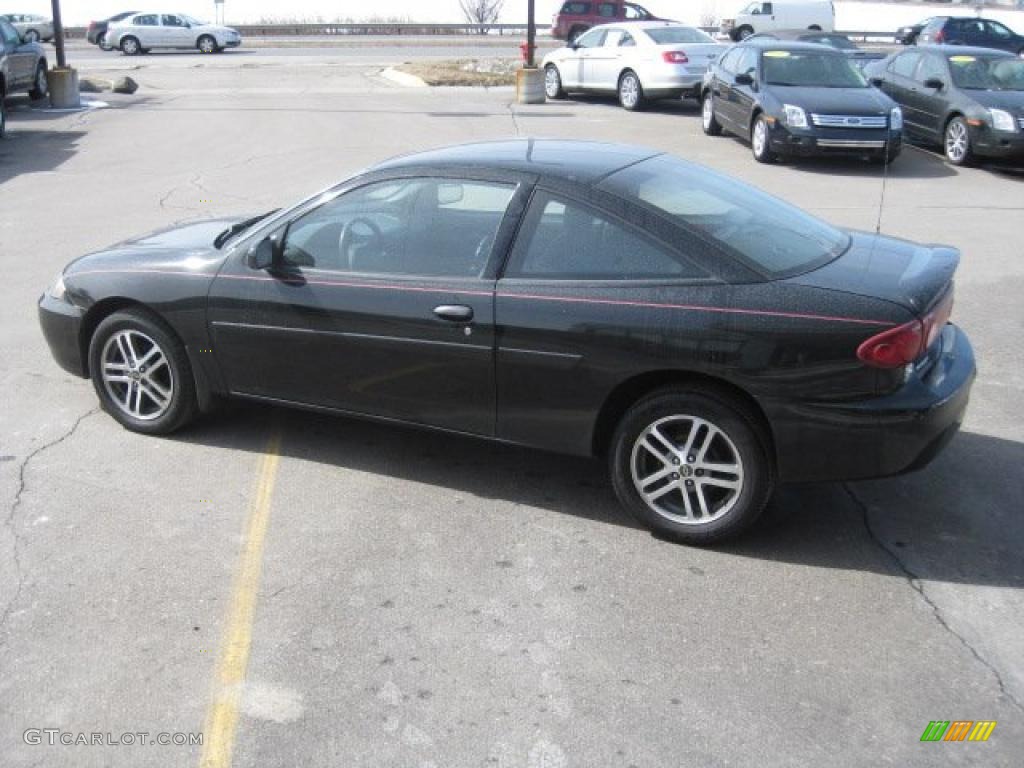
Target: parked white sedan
[[32, 27], [143, 31], [640, 61]]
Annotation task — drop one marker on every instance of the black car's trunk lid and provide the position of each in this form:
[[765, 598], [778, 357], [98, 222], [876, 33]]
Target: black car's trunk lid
[[911, 275]]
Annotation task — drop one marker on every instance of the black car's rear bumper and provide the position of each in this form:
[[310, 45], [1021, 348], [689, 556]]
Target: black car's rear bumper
[[830, 141], [62, 324], [883, 436]]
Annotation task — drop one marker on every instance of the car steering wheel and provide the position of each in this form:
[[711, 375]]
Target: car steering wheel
[[346, 239]]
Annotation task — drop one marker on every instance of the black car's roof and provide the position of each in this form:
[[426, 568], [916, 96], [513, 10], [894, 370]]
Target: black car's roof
[[962, 50], [579, 161], [789, 45]]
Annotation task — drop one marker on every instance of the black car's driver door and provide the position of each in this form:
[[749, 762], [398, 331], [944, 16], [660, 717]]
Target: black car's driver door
[[381, 302]]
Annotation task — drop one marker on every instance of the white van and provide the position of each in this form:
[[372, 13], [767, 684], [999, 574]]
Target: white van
[[781, 14]]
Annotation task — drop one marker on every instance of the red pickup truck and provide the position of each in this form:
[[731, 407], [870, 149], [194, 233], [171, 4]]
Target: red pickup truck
[[577, 16]]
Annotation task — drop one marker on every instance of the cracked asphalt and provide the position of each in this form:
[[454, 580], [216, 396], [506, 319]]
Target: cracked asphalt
[[431, 601]]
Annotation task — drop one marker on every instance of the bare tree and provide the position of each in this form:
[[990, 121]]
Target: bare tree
[[482, 11]]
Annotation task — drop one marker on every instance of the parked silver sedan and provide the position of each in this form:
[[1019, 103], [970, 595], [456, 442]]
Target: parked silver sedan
[[32, 27], [143, 31], [640, 61]]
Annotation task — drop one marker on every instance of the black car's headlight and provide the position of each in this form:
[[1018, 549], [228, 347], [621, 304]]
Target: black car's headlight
[[1002, 120], [56, 289], [795, 116]]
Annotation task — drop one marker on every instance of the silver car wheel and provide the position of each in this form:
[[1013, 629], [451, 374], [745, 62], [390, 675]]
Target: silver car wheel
[[207, 44], [41, 85], [760, 138], [129, 46], [629, 91], [956, 141], [137, 375], [552, 82], [31, 36], [687, 470], [707, 113]]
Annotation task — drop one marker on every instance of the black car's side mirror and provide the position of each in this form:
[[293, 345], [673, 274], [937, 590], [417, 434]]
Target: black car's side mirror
[[934, 82], [744, 78], [876, 81], [263, 255]]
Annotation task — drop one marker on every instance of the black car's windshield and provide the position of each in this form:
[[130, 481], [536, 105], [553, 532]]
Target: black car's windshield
[[987, 73], [768, 235], [811, 69], [676, 35]]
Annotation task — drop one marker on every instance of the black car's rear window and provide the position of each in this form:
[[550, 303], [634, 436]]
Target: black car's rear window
[[987, 73], [774, 238], [810, 69]]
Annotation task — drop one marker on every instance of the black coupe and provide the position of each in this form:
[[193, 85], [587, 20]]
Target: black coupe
[[969, 100], [596, 299], [798, 99]]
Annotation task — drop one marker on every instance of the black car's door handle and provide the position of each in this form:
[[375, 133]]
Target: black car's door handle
[[456, 313]]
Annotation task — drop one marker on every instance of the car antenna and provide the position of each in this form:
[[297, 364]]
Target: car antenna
[[885, 178]]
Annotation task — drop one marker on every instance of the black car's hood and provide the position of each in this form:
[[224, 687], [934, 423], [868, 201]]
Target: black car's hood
[[909, 274], [834, 101], [1011, 100], [185, 247]]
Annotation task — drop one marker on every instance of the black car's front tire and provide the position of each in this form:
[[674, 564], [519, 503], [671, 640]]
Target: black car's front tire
[[760, 143], [692, 465], [40, 87], [141, 373]]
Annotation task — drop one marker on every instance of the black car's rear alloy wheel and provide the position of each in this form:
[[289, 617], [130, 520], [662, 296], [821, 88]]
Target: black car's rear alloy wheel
[[708, 121], [141, 373], [553, 83], [957, 142], [691, 466], [631, 92], [39, 85]]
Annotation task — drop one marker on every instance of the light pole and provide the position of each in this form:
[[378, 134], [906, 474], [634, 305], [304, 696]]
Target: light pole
[[531, 32], [62, 80], [529, 79], [58, 33]]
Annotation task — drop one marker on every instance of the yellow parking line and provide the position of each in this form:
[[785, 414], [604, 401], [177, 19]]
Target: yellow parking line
[[233, 656]]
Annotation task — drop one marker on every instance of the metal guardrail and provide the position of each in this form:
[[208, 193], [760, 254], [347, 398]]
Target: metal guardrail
[[398, 30]]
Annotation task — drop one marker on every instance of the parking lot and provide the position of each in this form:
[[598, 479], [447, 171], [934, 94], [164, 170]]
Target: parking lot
[[427, 600]]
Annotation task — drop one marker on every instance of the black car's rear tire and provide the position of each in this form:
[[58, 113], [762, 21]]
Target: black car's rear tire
[[141, 373], [691, 464], [39, 85], [708, 122]]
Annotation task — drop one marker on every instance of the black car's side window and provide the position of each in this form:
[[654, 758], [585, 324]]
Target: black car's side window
[[565, 240], [429, 227], [904, 64], [9, 34], [729, 60], [931, 67], [997, 30]]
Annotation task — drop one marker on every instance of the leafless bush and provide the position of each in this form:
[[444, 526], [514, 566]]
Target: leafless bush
[[482, 11]]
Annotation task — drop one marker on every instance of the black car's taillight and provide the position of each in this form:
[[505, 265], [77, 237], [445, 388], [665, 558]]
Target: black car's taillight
[[905, 343]]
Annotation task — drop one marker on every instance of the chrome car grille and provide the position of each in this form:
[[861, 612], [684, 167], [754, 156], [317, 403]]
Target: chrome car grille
[[849, 121]]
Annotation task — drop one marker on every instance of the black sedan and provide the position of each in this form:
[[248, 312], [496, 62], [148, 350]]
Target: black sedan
[[798, 99], [708, 339], [907, 34], [969, 100]]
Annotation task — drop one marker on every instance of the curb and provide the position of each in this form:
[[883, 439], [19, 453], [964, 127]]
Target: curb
[[399, 77]]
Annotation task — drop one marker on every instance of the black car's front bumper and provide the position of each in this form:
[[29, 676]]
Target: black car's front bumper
[[889, 435], [833, 141], [62, 325], [1002, 145]]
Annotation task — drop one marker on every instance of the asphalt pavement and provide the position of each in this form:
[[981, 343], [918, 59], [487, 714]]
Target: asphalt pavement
[[308, 590]]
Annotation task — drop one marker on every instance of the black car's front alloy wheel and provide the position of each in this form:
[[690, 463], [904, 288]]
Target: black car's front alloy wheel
[[691, 465], [141, 373]]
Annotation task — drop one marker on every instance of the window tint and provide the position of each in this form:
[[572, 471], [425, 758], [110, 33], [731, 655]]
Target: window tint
[[674, 35], [576, 9], [931, 66], [747, 61], [148, 20], [170, 20], [904, 64], [811, 69], [591, 39], [766, 9], [729, 60], [565, 240], [607, 10], [761, 231], [627, 41], [997, 30], [429, 227]]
